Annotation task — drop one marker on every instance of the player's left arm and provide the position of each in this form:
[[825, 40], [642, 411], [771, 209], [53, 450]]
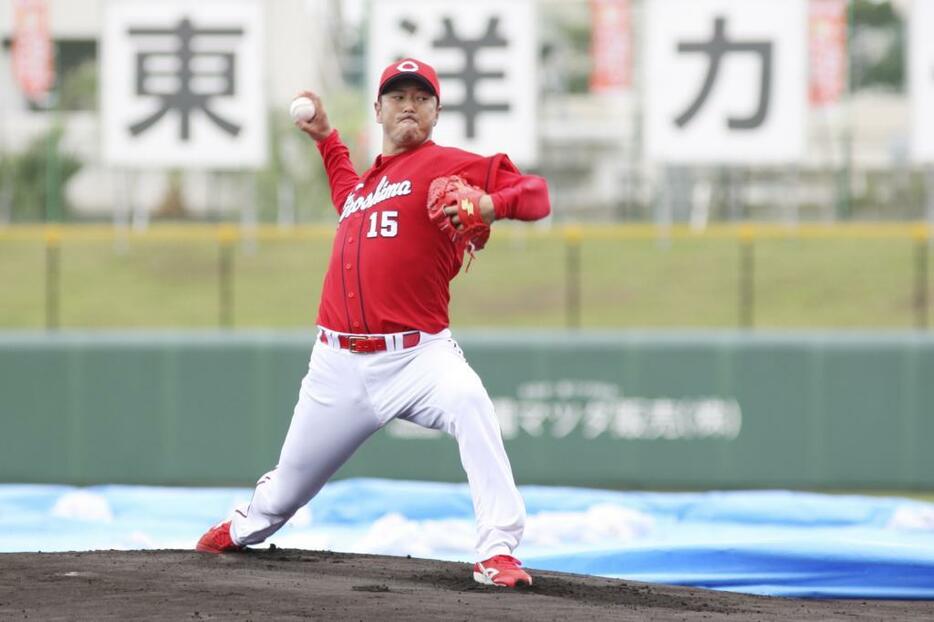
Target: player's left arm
[[506, 192], [520, 197], [509, 193], [517, 196]]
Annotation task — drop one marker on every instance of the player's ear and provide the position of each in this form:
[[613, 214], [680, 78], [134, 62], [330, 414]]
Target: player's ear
[[378, 109], [437, 114]]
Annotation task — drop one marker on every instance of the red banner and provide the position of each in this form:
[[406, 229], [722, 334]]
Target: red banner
[[611, 45], [33, 63], [828, 51]]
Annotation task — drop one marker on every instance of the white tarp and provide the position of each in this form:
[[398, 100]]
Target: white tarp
[[485, 55], [771, 542], [726, 81], [182, 84]]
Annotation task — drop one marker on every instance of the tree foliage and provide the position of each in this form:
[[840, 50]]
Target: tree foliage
[[874, 65], [29, 175]]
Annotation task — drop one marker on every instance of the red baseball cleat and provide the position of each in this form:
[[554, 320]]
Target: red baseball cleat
[[217, 540], [501, 570]]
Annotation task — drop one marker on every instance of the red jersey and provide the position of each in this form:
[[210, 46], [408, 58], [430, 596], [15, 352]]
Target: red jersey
[[390, 266]]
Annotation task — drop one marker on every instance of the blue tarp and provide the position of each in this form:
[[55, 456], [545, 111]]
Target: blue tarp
[[760, 542]]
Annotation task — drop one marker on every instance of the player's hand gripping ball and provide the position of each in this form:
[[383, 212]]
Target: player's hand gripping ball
[[453, 190], [302, 109]]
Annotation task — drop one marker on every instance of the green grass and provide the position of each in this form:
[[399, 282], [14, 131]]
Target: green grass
[[517, 281]]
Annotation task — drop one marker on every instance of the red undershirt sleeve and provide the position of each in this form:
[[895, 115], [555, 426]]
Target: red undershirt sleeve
[[520, 197], [341, 174]]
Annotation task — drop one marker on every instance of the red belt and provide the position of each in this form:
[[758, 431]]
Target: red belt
[[366, 344]]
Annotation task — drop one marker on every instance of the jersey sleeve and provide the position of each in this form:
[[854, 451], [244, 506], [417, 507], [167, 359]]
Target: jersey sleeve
[[341, 174]]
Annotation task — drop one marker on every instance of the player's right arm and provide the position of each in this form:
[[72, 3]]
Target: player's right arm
[[336, 157]]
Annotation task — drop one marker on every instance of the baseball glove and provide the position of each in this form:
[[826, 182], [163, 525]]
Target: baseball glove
[[454, 190]]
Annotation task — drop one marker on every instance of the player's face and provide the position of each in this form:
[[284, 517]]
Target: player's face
[[408, 113]]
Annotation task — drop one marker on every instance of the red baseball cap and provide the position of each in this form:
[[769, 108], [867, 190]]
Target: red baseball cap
[[410, 68]]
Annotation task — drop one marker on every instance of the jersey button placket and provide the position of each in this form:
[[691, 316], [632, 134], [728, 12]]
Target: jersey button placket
[[351, 281], [351, 295]]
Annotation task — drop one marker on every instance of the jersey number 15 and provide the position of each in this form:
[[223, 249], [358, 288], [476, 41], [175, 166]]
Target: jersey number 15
[[383, 224]]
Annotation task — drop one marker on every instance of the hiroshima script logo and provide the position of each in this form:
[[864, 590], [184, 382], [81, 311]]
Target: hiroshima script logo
[[384, 191]]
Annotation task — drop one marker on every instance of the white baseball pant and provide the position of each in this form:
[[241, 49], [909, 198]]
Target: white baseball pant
[[346, 397]]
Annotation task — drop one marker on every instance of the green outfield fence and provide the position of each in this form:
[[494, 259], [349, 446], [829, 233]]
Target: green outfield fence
[[569, 264], [695, 409]]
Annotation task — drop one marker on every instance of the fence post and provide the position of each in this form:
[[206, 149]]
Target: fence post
[[747, 277], [572, 271], [53, 260], [226, 236], [921, 296]]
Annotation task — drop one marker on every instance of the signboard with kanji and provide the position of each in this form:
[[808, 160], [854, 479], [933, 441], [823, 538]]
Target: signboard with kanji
[[182, 84], [485, 55], [726, 81]]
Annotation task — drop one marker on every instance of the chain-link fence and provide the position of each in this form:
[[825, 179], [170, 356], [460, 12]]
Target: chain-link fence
[[750, 276]]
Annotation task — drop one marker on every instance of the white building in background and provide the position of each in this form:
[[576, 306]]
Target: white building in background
[[299, 53], [590, 145]]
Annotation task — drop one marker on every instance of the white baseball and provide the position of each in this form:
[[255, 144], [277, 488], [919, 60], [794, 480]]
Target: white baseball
[[302, 109]]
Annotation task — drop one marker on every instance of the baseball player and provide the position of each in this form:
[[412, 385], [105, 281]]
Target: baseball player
[[383, 347]]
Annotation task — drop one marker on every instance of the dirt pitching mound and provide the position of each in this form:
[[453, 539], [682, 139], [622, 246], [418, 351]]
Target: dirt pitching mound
[[283, 584]]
